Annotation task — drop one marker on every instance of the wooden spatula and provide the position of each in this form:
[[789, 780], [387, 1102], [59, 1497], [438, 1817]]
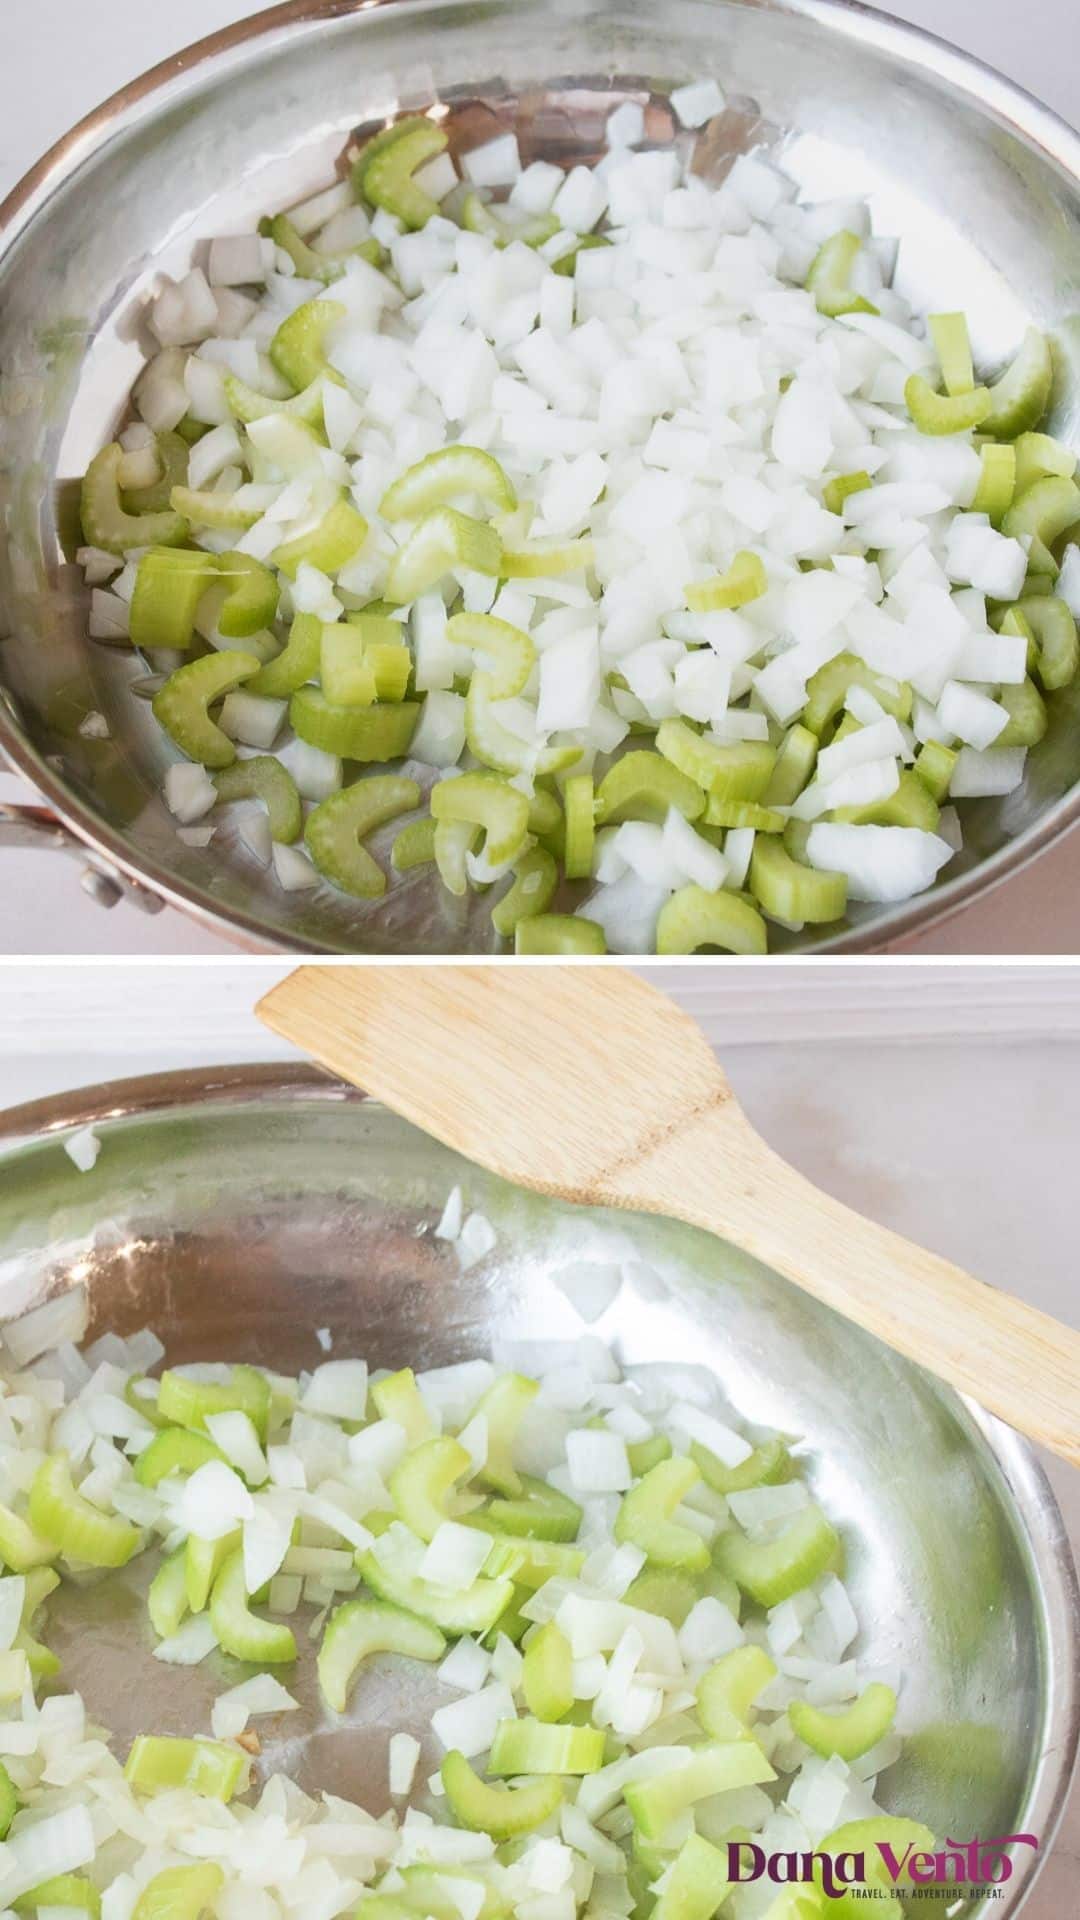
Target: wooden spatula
[[586, 1083]]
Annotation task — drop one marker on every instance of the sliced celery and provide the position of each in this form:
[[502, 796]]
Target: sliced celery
[[534, 1746], [167, 1601], [789, 891], [546, 559], [296, 664], [246, 404], [829, 278], [828, 688], [905, 1837], [939, 413], [772, 1570], [81, 1531], [414, 846], [538, 1511], [158, 1764], [187, 1401], [717, 1767], [503, 1406], [361, 1628], [340, 533], [911, 804], [934, 765], [298, 348], [346, 672], [793, 767], [497, 747], [335, 829], [739, 771], [63, 1890], [180, 1893], [769, 1463], [664, 1591], [471, 1610], [442, 540], [397, 1397], [241, 1632], [585, 242], [997, 482], [485, 800], [645, 1454], [547, 1677], [174, 1450], [1028, 718], [508, 653], [263, 777], [368, 734], [172, 456], [743, 813], [579, 800], [169, 584], [694, 918], [1057, 648], [536, 877], [744, 580], [840, 488], [104, 522], [388, 173], [203, 1561], [642, 786], [1045, 510], [182, 705], [205, 508], [695, 1884], [21, 1547], [311, 265], [503, 1812], [559, 933], [645, 1519], [726, 1693], [850, 1732], [1039, 454], [531, 230], [1021, 396], [949, 333], [378, 143], [444, 476], [532, 1561], [9, 1801], [252, 600], [424, 1482]]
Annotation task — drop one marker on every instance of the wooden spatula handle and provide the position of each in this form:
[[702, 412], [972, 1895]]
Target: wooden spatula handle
[[1022, 1364]]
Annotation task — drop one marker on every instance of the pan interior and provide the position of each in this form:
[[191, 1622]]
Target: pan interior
[[989, 222], [236, 1231]]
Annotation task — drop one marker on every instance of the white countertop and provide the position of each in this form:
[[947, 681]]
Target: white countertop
[[944, 1102], [62, 57]]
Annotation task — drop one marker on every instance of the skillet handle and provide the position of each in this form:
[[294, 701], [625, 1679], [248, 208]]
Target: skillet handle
[[33, 824]]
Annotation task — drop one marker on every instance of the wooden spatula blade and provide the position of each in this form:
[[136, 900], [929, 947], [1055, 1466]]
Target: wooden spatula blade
[[548, 1075]]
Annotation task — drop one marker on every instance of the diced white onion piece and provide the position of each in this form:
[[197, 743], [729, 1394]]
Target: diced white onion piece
[[455, 1555], [598, 1462], [998, 770], [403, 1753], [881, 863], [589, 1285], [469, 1724]]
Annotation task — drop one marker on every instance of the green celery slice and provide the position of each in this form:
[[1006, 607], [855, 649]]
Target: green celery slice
[[81, 1531], [361, 1628], [642, 786], [535, 1746], [297, 663], [339, 535], [246, 404], [792, 768], [1021, 396], [497, 747], [1039, 454], [205, 508], [533, 1561], [538, 1511], [664, 1591], [387, 177], [252, 600], [726, 1693], [104, 522], [347, 675], [772, 1570], [743, 813], [63, 1890], [769, 1463], [1028, 718], [536, 877], [311, 265], [187, 1401], [158, 1764], [21, 1547], [718, 1767], [444, 476], [503, 1406], [442, 540], [174, 1450], [368, 734], [585, 242], [547, 1676], [828, 688], [203, 1561], [167, 1601], [559, 933], [398, 1398], [744, 580], [829, 278], [241, 1632], [484, 800], [646, 1454], [507, 648], [644, 1517], [1057, 648], [173, 455], [579, 800], [841, 486], [939, 413], [263, 777], [741, 771], [546, 559], [1046, 510], [502, 1812], [997, 482], [789, 891], [424, 1484], [530, 230], [298, 348], [694, 918], [414, 846], [182, 705], [180, 1893], [9, 1801], [906, 1837], [911, 804], [337, 825], [949, 333], [852, 1731], [697, 1882], [934, 765], [169, 584], [473, 1610]]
